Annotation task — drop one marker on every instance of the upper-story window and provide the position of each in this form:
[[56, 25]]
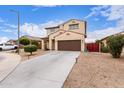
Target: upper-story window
[[73, 26], [52, 30]]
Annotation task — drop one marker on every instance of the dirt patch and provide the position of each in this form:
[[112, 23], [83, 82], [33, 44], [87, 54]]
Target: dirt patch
[[25, 56], [96, 70]]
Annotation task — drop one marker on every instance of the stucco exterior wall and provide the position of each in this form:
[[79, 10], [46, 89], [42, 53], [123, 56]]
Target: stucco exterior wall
[[123, 50], [104, 42], [70, 36], [52, 37], [81, 26], [42, 45]]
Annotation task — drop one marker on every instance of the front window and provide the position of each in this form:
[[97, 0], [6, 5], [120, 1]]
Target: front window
[[73, 26], [52, 30]]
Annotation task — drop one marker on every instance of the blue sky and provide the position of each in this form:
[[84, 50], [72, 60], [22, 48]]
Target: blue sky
[[102, 20]]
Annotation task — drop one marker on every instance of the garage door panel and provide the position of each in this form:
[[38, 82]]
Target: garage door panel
[[69, 45]]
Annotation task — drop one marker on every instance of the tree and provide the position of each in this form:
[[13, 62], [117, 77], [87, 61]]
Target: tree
[[115, 44], [34, 42], [24, 41], [98, 41], [30, 48]]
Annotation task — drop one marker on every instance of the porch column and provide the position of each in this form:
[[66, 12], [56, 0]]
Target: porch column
[[42, 45], [56, 45], [50, 44], [82, 45]]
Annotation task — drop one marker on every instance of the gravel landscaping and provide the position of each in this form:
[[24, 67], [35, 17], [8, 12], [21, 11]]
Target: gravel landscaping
[[25, 55], [96, 70]]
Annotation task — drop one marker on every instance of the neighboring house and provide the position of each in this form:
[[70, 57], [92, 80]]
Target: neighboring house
[[38, 39], [11, 41], [104, 40], [69, 36]]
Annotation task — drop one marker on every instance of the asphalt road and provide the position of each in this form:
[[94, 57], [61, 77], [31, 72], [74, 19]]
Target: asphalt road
[[1, 58], [46, 71], [8, 62]]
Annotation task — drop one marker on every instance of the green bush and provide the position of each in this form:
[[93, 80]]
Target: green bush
[[24, 41], [104, 49], [98, 41], [30, 48], [115, 44], [34, 42]]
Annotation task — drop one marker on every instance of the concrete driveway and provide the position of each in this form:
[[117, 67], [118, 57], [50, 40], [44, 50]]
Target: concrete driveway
[[48, 71]]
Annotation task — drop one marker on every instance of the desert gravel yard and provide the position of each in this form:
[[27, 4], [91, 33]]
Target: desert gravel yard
[[24, 55], [96, 70]]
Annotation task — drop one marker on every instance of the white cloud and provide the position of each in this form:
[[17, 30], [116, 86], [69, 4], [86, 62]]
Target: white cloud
[[96, 19], [37, 30], [99, 34], [98, 10], [1, 20], [90, 40], [111, 13], [39, 6], [10, 25], [8, 30], [3, 39], [45, 5], [115, 12]]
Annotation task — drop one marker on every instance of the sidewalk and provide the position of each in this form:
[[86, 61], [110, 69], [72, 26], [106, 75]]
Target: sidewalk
[[8, 62]]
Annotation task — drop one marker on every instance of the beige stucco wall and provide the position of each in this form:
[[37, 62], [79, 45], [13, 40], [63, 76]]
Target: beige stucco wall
[[104, 42], [81, 26], [123, 50], [52, 37], [42, 45], [70, 36]]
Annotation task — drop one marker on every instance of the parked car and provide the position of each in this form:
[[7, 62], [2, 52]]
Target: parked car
[[7, 46]]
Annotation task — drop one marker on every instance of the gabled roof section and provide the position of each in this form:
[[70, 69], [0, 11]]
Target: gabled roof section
[[112, 35], [69, 31], [52, 27], [56, 31], [64, 23]]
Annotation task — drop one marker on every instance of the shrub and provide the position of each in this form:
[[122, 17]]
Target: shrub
[[98, 41], [30, 48], [24, 41], [115, 44], [34, 42], [104, 49]]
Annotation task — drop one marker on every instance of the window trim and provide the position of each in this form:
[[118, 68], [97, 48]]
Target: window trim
[[73, 26]]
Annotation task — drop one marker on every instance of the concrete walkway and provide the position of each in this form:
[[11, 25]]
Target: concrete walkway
[[48, 71], [8, 62]]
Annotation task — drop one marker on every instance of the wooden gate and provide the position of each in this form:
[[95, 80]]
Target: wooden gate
[[92, 47]]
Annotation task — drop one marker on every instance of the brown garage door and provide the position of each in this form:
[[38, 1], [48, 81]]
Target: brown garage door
[[69, 45]]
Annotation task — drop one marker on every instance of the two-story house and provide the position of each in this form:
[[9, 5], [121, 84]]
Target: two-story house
[[69, 36]]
